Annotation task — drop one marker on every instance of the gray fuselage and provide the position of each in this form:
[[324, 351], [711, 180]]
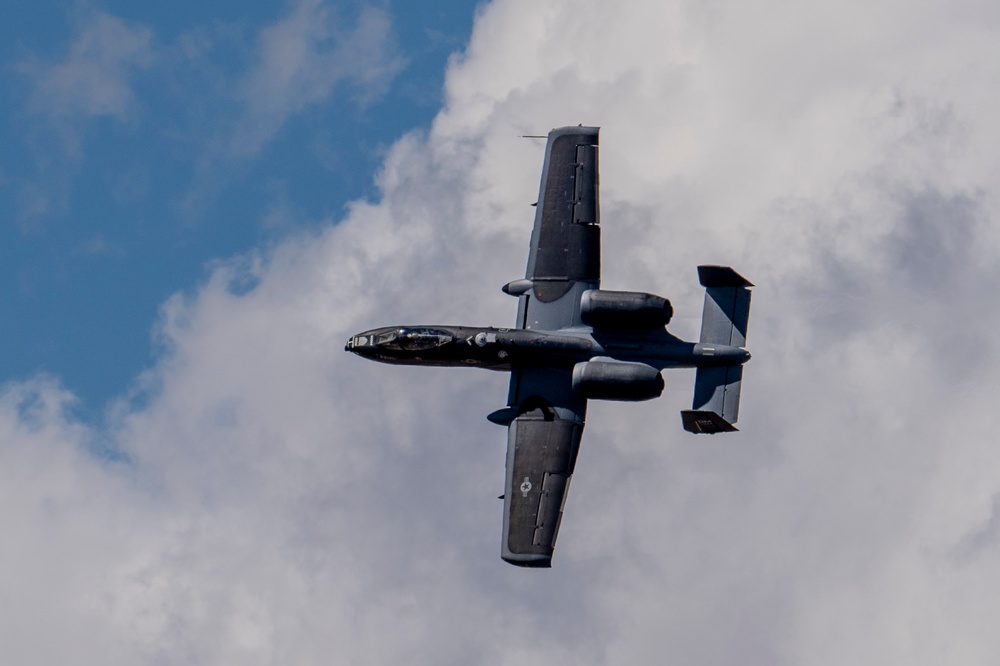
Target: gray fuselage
[[504, 348]]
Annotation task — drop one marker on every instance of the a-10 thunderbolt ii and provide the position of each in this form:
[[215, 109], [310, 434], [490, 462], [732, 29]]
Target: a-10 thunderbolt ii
[[575, 342]]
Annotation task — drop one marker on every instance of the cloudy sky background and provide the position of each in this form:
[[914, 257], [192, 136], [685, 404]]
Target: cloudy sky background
[[246, 492]]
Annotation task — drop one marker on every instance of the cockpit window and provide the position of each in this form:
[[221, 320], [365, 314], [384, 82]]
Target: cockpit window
[[413, 339]]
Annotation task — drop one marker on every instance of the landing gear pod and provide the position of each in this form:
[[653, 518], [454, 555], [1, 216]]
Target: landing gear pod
[[624, 309]]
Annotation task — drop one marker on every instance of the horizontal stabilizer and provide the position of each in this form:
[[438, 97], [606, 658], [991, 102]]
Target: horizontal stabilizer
[[724, 321]]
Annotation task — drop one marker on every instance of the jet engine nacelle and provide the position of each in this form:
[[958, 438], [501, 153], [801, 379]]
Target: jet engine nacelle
[[617, 380], [624, 309]]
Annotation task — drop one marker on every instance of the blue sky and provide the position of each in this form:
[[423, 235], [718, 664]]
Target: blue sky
[[120, 193]]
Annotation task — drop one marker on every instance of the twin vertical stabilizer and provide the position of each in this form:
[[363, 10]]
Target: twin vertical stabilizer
[[723, 322]]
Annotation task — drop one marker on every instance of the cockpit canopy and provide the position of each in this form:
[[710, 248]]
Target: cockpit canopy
[[411, 339]]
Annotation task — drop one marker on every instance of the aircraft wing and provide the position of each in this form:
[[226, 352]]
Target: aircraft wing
[[565, 255], [545, 418], [542, 445]]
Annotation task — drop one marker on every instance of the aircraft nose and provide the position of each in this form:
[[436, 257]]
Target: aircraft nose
[[359, 344]]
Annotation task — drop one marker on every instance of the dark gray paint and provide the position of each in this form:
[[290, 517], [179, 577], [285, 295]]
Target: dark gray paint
[[573, 341], [566, 240], [723, 322], [541, 454]]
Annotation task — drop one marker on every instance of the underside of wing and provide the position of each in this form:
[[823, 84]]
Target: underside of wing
[[545, 418], [565, 255], [542, 446]]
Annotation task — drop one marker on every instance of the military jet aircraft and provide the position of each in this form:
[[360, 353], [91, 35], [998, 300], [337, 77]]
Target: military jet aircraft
[[574, 342]]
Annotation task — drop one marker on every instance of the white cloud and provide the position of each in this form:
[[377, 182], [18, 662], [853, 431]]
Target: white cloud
[[93, 80], [303, 58], [283, 501]]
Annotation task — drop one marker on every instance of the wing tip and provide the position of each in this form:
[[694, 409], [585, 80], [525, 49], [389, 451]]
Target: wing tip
[[579, 130], [528, 560]]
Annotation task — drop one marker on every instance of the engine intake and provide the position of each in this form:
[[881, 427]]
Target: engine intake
[[624, 309], [617, 380]]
